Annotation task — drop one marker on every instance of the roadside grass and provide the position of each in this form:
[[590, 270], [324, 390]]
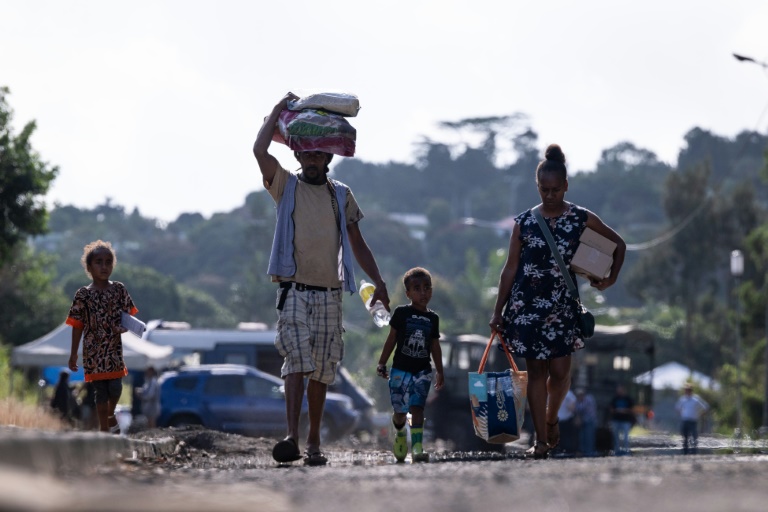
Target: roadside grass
[[21, 404], [18, 414]]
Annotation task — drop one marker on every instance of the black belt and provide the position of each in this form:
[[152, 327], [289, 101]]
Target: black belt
[[306, 287], [301, 287]]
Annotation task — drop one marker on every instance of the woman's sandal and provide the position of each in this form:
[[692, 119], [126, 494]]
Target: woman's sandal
[[553, 434], [538, 451]]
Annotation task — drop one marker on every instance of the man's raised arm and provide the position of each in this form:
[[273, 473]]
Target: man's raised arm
[[267, 163]]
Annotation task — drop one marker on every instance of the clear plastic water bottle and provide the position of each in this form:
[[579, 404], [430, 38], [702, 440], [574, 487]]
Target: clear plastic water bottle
[[379, 313]]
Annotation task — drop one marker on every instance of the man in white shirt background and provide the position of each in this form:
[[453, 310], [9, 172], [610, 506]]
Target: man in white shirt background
[[690, 407]]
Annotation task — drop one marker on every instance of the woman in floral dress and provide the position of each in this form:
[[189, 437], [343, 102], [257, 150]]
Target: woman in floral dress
[[534, 311]]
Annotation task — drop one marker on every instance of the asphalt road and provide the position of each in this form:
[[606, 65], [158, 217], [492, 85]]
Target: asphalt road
[[202, 470]]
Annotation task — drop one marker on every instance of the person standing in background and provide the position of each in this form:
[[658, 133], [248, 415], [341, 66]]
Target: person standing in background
[[87, 398], [150, 397], [566, 417], [586, 421], [622, 419], [62, 398], [690, 407]]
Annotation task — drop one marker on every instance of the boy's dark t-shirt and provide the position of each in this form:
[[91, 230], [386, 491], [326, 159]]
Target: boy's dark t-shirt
[[415, 332]]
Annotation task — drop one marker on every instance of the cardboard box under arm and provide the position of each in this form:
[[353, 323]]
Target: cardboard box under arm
[[594, 256]]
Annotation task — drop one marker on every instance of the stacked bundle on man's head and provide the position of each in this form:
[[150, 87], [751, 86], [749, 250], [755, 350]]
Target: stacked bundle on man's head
[[317, 123]]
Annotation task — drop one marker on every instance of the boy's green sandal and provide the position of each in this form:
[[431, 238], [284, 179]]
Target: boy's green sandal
[[400, 448], [417, 436], [419, 455]]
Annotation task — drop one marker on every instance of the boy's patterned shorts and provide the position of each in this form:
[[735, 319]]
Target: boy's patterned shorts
[[408, 390]]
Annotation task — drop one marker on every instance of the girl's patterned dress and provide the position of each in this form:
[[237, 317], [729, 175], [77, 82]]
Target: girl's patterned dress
[[97, 312], [540, 314]]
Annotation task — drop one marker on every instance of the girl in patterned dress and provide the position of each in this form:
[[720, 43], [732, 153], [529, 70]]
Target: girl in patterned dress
[[95, 316], [538, 321]]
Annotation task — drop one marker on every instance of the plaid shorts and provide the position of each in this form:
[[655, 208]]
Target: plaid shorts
[[408, 389], [309, 333]]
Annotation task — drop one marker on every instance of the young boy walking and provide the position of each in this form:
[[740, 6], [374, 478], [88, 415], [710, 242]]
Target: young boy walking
[[414, 336]]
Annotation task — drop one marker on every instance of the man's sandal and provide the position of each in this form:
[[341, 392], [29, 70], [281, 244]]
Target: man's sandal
[[316, 458], [286, 450]]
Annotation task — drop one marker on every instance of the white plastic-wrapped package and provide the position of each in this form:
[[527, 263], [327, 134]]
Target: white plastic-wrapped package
[[338, 103]]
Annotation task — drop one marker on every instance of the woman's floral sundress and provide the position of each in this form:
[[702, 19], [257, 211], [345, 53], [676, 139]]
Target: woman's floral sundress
[[540, 314]]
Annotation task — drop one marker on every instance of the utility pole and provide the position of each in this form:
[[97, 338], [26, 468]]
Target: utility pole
[[737, 270], [764, 428]]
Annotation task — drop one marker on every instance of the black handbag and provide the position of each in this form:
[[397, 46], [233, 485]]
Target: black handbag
[[585, 319]]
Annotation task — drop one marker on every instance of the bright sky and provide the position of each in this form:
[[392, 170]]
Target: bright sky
[[156, 104]]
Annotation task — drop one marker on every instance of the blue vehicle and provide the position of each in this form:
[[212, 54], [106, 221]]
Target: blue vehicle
[[243, 400], [252, 345]]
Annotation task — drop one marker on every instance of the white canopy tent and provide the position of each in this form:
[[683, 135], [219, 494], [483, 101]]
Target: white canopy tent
[[674, 375], [53, 349]]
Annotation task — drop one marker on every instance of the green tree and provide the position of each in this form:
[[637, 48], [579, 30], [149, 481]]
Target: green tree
[[731, 161], [155, 295], [30, 302], [396, 250], [202, 311], [689, 269], [635, 178], [24, 180]]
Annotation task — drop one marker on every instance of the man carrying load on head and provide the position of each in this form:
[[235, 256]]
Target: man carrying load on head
[[316, 236]]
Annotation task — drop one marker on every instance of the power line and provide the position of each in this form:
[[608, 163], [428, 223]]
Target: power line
[[666, 236], [674, 231]]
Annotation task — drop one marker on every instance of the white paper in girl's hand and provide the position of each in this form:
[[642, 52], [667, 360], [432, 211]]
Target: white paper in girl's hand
[[132, 323]]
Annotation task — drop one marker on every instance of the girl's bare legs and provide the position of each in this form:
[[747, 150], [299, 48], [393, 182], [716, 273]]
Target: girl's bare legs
[[102, 413], [105, 411], [112, 405]]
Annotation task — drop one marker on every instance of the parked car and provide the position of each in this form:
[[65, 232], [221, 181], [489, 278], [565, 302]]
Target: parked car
[[361, 401], [243, 400], [253, 347]]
